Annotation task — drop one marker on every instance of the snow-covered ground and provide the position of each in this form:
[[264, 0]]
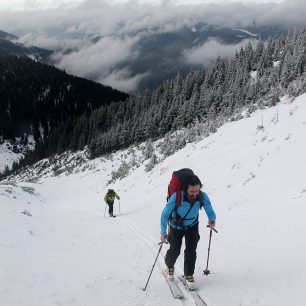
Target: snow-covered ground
[[10, 153], [245, 31], [69, 253]]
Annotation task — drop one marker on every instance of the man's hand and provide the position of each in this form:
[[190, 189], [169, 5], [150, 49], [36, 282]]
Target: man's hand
[[211, 224], [163, 237]]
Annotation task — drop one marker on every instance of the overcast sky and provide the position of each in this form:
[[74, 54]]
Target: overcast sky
[[37, 4], [101, 35]]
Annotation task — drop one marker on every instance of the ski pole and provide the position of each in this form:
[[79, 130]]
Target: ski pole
[[105, 209], [206, 271], [161, 245]]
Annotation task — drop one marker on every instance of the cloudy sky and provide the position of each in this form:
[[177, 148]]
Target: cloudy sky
[[98, 38], [37, 4]]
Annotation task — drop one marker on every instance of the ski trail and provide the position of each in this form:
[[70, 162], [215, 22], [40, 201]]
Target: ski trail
[[152, 246]]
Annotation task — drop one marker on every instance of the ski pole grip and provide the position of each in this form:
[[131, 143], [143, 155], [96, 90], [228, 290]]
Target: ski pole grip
[[212, 229], [163, 242]]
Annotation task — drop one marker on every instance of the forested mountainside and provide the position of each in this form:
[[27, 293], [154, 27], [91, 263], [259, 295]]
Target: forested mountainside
[[35, 98], [256, 76], [9, 44]]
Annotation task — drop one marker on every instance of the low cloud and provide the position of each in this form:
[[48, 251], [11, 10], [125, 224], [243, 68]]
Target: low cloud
[[97, 58], [97, 40], [98, 17], [211, 49], [51, 43], [123, 80], [290, 13]]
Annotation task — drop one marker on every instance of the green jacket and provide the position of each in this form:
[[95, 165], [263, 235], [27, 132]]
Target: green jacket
[[110, 197]]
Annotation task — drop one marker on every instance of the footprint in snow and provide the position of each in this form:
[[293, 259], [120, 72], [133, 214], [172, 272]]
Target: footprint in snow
[[302, 193], [288, 137], [252, 176]]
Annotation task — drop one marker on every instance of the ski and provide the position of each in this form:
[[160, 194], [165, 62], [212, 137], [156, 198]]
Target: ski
[[175, 290], [194, 293]]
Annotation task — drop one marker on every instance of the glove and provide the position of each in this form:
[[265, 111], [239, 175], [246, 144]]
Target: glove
[[163, 237], [211, 224]]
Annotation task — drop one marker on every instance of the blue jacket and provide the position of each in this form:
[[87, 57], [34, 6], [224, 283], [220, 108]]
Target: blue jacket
[[191, 218]]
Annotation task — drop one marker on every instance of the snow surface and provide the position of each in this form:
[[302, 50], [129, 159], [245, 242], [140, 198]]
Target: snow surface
[[245, 31], [68, 253], [7, 156], [253, 74]]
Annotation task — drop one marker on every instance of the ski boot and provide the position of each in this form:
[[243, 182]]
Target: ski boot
[[170, 273], [190, 282]]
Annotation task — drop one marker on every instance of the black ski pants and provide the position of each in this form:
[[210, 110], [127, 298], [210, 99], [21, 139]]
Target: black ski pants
[[192, 238], [110, 207]]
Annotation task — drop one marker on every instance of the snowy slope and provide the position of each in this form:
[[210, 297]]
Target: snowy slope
[[246, 32], [68, 253], [10, 153]]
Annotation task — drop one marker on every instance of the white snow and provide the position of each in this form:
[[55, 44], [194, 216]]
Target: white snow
[[7, 156], [68, 253], [253, 74], [41, 131], [196, 40], [245, 31], [32, 57]]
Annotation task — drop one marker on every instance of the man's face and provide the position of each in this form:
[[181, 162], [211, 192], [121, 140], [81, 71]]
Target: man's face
[[193, 191]]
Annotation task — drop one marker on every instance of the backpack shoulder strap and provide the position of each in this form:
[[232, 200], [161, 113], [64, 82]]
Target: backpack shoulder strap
[[179, 198], [201, 199]]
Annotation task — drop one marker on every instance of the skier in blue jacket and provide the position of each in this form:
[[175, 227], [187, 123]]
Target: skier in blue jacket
[[183, 222]]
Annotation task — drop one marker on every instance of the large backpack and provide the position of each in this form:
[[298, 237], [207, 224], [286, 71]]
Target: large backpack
[[177, 183]]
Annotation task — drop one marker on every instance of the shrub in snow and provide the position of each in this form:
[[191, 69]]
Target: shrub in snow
[[133, 163], [297, 87], [148, 150], [29, 190], [153, 161], [26, 212], [122, 172], [212, 128], [236, 117], [172, 143], [260, 128]]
